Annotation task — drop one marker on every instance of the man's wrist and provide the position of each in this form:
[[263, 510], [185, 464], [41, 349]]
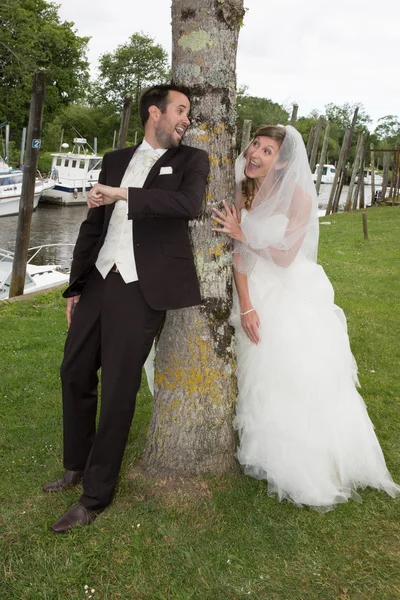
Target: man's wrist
[[122, 194]]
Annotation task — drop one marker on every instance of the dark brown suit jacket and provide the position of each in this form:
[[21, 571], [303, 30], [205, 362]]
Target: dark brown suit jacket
[[159, 212]]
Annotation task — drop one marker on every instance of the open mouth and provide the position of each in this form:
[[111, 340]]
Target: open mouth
[[252, 166], [180, 130]]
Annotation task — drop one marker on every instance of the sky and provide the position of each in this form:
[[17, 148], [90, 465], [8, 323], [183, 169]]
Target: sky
[[311, 52]]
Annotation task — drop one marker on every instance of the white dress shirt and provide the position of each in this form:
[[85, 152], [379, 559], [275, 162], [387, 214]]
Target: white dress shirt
[[118, 244]]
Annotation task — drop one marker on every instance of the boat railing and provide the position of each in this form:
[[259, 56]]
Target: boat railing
[[8, 256], [39, 248]]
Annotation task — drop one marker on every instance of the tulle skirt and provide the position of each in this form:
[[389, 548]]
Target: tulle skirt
[[302, 424]]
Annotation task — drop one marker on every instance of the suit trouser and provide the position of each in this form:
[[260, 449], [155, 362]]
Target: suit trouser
[[112, 327]]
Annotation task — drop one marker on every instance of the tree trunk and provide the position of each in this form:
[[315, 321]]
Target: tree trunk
[[191, 428]]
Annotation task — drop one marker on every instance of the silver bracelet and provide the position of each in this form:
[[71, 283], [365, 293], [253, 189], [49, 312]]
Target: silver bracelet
[[247, 312]]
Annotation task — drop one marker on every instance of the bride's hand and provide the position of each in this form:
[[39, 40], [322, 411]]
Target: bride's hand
[[229, 221], [251, 325]]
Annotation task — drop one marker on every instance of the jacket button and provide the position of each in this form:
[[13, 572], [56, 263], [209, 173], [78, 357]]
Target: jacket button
[[137, 245]]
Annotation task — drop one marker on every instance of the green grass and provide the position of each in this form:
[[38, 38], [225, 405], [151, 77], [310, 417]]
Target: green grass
[[210, 539]]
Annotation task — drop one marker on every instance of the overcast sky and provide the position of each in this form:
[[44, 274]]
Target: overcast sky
[[311, 52]]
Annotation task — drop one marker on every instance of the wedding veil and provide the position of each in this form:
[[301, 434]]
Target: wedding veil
[[283, 219]]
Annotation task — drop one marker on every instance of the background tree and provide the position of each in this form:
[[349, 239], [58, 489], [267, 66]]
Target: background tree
[[33, 36], [191, 427], [130, 68], [388, 131], [260, 111]]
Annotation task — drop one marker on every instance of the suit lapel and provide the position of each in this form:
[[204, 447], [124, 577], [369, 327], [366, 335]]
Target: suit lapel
[[155, 169]]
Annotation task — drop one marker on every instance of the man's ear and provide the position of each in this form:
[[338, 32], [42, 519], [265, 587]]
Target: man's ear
[[154, 113]]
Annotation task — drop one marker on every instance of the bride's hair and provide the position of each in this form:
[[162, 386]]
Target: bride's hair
[[277, 133]]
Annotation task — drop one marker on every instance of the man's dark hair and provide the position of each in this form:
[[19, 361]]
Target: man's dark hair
[[158, 96]]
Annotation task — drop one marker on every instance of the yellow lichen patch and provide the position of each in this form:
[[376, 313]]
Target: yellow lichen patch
[[213, 160], [217, 251], [196, 41], [196, 374]]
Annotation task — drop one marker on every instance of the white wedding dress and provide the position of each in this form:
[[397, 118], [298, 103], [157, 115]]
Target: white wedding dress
[[302, 424]]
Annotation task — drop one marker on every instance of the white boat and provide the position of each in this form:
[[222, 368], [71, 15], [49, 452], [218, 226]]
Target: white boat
[[74, 174], [11, 187], [37, 278], [378, 179], [328, 174]]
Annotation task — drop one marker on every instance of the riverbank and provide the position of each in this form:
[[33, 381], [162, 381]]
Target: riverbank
[[209, 539]]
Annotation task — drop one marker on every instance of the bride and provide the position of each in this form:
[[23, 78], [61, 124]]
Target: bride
[[302, 424]]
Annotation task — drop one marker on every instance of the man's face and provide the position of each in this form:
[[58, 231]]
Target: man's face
[[172, 124]]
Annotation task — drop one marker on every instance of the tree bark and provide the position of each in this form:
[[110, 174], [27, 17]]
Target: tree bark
[[191, 428]]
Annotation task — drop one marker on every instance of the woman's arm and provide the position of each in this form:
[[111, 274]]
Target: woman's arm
[[250, 321]]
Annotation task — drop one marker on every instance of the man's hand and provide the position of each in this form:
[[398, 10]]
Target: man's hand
[[71, 304], [101, 194]]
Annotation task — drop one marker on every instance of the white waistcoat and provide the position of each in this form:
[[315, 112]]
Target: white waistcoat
[[118, 244]]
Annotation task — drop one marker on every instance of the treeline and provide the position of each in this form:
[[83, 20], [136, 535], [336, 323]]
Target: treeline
[[33, 37]]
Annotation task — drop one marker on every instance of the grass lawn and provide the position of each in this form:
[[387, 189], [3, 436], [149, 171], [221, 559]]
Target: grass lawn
[[214, 538]]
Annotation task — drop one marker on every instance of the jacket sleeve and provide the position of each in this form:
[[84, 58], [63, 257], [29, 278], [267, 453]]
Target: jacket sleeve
[[184, 203], [89, 232]]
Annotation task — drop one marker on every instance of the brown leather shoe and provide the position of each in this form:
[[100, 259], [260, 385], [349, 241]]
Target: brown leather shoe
[[76, 516], [68, 480]]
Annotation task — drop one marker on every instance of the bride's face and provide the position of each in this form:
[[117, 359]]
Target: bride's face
[[261, 156]]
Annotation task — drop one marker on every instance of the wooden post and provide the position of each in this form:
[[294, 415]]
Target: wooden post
[[310, 140], [28, 185], [342, 179], [23, 142], [293, 118], [95, 145], [318, 131], [115, 135], [397, 174], [357, 160], [323, 155], [392, 178], [362, 182], [357, 188], [385, 175], [61, 139], [365, 224], [126, 115], [7, 156], [245, 134], [373, 201], [337, 173]]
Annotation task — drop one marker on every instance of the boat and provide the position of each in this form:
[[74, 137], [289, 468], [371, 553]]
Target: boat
[[11, 188], [37, 278], [328, 174], [74, 174], [378, 179]]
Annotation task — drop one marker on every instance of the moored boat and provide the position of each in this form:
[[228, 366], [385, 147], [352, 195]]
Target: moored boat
[[37, 278], [328, 174], [11, 188], [74, 174]]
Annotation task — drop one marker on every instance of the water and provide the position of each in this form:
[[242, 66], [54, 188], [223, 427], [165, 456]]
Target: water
[[53, 224], [325, 191]]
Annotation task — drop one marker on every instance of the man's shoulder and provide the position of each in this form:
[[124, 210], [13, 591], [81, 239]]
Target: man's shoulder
[[120, 153], [190, 150]]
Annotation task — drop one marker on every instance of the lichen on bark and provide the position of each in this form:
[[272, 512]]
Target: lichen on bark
[[191, 428]]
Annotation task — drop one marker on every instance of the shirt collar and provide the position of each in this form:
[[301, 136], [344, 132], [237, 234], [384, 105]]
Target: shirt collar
[[146, 146]]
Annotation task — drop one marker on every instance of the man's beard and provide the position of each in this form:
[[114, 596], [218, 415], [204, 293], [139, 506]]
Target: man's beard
[[166, 139]]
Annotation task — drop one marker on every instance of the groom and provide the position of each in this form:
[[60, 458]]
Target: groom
[[132, 261]]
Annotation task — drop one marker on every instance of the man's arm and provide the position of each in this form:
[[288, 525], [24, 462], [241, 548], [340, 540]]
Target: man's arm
[[89, 232], [184, 203]]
